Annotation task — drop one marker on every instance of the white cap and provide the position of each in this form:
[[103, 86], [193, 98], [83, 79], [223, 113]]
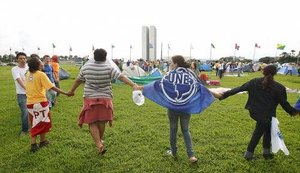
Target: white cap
[[138, 97]]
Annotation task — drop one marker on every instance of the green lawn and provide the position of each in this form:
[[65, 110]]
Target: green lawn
[[140, 135]]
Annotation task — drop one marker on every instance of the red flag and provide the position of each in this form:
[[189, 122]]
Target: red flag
[[237, 47]]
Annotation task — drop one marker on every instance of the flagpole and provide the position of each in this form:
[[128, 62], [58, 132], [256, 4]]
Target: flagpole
[[112, 51], [168, 52], [161, 51], [210, 53], [130, 53], [254, 53]]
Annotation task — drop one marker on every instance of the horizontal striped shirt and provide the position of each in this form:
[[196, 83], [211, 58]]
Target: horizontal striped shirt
[[97, 77]]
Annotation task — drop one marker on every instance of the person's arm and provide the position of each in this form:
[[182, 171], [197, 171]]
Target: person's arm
[[244, 87], [216, 95], [127, 81], [75, 85], [61, 91], [285, 104], [20, 82]]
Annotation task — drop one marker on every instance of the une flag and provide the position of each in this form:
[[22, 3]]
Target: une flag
[[169, 47], [280, 46], [53, 45], [71, 49], [212, 45], [112, 46], [179, 90], [93, 48]]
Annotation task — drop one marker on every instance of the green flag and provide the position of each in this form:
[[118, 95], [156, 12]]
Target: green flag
[[280, 46]]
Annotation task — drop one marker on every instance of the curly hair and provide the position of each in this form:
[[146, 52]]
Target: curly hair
[[34, 64]]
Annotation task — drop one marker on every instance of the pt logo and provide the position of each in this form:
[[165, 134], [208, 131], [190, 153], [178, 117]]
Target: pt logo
[[179, 86]]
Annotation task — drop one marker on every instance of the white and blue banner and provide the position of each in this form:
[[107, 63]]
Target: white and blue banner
[[179, 90]]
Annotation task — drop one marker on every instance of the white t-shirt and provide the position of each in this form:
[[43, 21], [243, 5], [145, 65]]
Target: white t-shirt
[[18, 72]]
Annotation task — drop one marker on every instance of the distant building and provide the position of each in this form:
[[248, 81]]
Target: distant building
[[149, 47]]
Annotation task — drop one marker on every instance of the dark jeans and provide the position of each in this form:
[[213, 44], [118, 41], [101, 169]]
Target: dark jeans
[[57, 85], [261, 129], [24, 113]]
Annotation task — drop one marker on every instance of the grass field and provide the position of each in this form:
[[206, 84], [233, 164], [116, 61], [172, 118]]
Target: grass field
[[140, 135]]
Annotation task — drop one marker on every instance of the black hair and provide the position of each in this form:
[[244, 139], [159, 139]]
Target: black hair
[[100, 55], [21, 54], [179, 60], [269, 72], [34, 64]]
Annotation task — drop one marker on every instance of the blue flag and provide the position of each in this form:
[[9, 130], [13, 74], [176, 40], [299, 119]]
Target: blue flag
[[179, 90]]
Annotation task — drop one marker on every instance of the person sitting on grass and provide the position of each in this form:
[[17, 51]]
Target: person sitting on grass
[[37, 83], [264, 95]]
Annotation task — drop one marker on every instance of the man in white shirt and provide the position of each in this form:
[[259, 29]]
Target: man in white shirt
[[18, 73]]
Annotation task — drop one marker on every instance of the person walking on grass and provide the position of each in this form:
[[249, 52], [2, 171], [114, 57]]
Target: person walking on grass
[[178, 66], [97, 107], [264, 95], [18, 73], [37, 83]]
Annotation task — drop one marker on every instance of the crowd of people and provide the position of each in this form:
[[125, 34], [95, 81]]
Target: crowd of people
[[37, 86]]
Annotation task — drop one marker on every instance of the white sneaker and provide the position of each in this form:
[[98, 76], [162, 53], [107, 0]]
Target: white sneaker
[[169, 153]]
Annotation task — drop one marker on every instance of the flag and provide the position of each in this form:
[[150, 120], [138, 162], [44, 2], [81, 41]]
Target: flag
[[256, 45], [93, 48], [237, 47], [53, 45], [169, 47], [212, 45], [280, 46], [71, 49], [179, 90], [10, 49], [130, 46], [112, 46], [38, 48], [150, 45], [23, 49]]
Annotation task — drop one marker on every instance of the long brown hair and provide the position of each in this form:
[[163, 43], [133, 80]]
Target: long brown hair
[[269, 72], [179, 60]]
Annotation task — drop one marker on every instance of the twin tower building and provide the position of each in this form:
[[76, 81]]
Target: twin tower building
[[149, 46]]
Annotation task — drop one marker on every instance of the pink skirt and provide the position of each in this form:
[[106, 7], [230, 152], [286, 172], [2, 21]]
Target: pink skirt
[[96, 109]]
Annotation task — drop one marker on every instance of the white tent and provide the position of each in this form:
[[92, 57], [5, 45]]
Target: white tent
[[133, 70]]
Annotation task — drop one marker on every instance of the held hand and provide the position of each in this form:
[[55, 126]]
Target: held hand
[[70, 93]]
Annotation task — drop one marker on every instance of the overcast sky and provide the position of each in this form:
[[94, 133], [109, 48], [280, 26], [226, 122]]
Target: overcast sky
[[30, 24]]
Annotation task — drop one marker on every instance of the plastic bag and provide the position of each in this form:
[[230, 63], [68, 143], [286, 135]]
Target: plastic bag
[[277, 138]]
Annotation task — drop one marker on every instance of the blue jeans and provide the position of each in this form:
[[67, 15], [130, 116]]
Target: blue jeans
[[24, 113], [184, 124]]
